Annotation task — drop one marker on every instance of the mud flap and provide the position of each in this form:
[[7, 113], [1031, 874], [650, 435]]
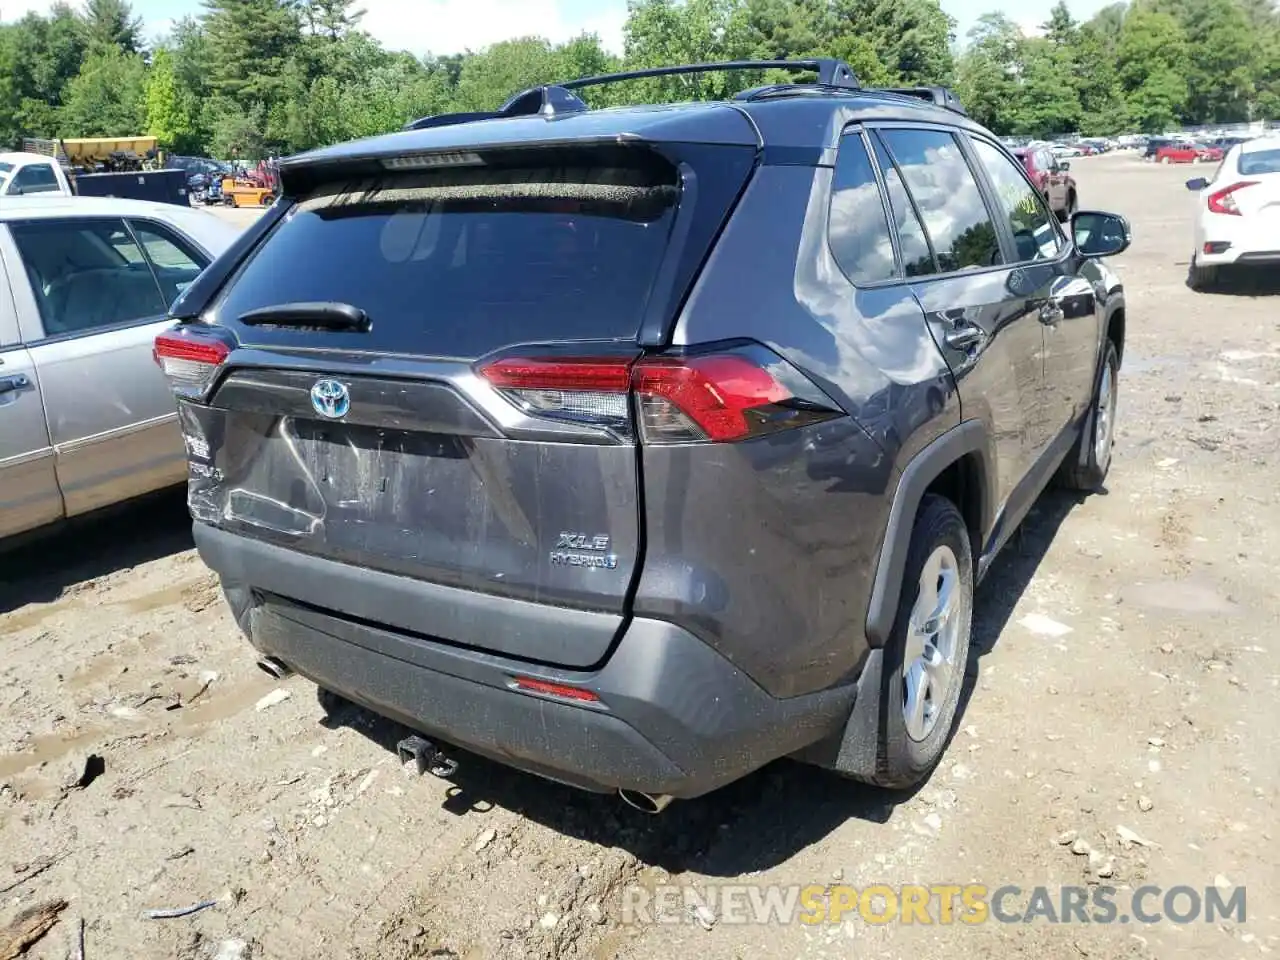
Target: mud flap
[[856, 752]]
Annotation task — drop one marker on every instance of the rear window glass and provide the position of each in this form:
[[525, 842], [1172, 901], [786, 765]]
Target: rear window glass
[[1260, 161], [859, 231], [462, 261]]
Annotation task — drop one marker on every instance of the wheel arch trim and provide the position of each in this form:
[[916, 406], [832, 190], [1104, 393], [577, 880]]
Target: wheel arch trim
[[969, 437]]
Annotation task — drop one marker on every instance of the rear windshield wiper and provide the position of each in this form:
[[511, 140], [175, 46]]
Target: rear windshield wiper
[[320, 315]]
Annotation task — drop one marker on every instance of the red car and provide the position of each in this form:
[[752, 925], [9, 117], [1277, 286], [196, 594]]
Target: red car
[[1188, 153], [1178, 153], [1050, 176]]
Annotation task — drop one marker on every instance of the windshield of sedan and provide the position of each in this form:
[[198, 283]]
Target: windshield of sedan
[[1260, 161]]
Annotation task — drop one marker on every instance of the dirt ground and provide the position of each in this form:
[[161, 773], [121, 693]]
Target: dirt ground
[[1125, 676]]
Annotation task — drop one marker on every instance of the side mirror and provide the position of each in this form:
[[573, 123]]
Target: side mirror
[[1197, 183], [1100, 234], [1064, 166]]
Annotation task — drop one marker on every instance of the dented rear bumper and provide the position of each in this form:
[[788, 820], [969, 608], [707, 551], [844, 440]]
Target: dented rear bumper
[[673, 717]]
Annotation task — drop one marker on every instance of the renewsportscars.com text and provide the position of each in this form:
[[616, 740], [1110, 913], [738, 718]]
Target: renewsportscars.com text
[[941, 904]]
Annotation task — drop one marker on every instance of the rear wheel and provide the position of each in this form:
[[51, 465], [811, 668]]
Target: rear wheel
[[928, 649], [1202, 279], [1086, 466]]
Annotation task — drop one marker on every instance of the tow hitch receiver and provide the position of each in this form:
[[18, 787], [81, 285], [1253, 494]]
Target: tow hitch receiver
[[426, 756]]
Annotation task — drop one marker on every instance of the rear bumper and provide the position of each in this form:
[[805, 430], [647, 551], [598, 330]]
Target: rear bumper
[[674, 717]]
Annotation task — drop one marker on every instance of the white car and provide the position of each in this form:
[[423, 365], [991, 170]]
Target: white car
[[1238, 216], [28, 174]]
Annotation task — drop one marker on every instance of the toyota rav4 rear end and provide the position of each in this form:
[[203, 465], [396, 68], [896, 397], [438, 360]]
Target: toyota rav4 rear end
[[449, 465]]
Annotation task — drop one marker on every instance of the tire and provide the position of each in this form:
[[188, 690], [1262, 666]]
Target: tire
[[1202, 279], [1089, 475], [912, 741]]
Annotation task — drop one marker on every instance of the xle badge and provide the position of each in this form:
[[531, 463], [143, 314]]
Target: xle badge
[[580, 550]]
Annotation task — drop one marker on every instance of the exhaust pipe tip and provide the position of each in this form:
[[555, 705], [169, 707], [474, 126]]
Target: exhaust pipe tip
[[275, 668], [645, 802]]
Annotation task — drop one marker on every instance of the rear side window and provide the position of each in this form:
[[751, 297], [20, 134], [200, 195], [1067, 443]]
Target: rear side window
[[1259, 162], [175, 262], [86, 274], [1034, 235], [857, 226], [955, 216], [917, 258], [34, 178], [460, 261]]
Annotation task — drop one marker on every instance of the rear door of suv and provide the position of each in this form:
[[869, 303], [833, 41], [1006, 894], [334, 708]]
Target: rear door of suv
[[431, 382], [979, 314]]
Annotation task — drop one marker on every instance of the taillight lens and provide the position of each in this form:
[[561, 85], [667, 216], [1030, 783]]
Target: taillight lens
[[722, 397], [1224, 201], [585, 389], [190, 362], [716, 397]]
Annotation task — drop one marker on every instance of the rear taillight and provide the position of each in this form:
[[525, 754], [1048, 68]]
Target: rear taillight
[[721, 397], [1224, 201], [697, 398], [190, 362], [585, 389]]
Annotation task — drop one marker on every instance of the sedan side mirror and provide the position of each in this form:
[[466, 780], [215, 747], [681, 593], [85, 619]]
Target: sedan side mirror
[[1197, 183], [1100, 234]]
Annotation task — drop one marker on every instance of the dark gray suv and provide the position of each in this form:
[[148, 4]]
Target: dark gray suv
[[640, 447]]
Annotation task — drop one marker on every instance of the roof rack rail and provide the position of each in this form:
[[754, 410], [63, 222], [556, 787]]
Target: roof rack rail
[[938, 96], [555, 99], [831, 73]]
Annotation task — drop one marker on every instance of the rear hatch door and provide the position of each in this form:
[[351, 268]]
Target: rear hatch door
[[354, 422]]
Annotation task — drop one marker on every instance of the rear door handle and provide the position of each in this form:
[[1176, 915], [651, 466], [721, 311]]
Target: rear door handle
[[965, 336], [10, 384], [1051, 313]]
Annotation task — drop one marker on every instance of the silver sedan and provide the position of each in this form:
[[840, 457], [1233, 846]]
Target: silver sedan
[[86, 418]]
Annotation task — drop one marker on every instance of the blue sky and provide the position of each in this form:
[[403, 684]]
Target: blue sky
[[448, 26]]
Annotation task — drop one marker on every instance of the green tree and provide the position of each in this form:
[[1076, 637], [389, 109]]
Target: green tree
[[1061, 28], [112, 23], [170, 111], [1103, 111], [988, 73], [490, 77], [107, 98], [1222, 63], [913, 37], [331, 18], [1151, 66], [250, 43], [1049, 102]]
